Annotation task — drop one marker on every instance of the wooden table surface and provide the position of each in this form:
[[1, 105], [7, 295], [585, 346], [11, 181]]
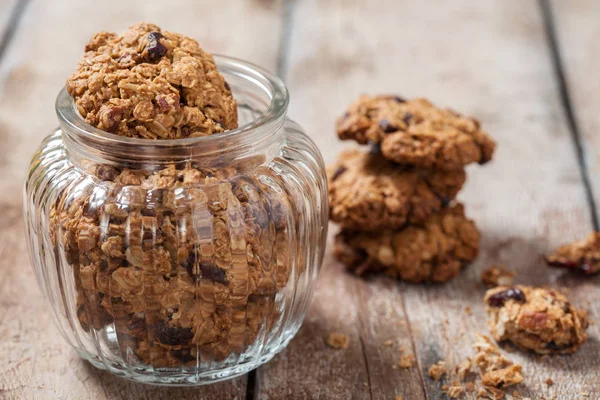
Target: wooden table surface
[[530, 70]]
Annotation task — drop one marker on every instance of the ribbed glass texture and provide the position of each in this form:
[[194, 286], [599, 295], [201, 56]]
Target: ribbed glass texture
[[182, 262]]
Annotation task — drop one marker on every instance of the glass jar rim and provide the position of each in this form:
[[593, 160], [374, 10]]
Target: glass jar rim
[[70, 118]]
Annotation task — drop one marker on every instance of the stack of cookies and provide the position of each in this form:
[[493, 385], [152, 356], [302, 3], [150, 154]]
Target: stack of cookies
[[395, 199]]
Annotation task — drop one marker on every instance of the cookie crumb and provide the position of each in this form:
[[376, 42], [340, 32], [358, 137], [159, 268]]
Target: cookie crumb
[[388, 343], [437, 371], [468, 310], [454, 391], [549, 382], [338, 340], [399, 397], [516, 394], [463, 369], [503, 377], [407, 361], [491, 393], [497, 276]]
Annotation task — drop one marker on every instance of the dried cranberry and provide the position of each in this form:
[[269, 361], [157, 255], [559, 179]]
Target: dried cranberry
[[498, 299], [227, 87], [213, 273], [155, 49], [172, 335], [407, 117], [338, 172], [387, 127], [399, 99]]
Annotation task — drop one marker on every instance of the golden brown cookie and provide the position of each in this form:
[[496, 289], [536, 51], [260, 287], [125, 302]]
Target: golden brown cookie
[[367, 192], [415, 132], [151, 84], [537, 319], [582, 255], [179, 259], [435, 251]]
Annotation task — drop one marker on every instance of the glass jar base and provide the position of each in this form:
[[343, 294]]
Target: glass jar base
[[181, 378]]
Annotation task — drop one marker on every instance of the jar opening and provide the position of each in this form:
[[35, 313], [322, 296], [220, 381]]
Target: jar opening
[[262, 105]]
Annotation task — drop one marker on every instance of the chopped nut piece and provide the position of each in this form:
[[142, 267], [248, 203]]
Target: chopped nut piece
[[407, 361], [583, 255], [338, 340], [497, 276], [437, 371], [538, 319]]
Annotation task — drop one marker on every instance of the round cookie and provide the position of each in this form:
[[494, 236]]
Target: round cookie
[[435, 251], [151, 84], [538, 319], [415, 132], [367, 192]]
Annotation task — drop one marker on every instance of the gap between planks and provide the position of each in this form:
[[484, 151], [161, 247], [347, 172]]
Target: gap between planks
[[11, 27], [567, 104]]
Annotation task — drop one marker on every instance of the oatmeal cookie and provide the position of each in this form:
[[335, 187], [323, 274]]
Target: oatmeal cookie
[[435, 251], [537, 319], [583, 255], [369, 193], [151, 84], [184, 261], [416, 132]]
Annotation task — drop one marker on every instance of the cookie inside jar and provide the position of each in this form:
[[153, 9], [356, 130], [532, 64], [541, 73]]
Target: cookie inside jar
[[180, 262]]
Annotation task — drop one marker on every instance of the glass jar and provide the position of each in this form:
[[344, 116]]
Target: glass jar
[[185, 261]]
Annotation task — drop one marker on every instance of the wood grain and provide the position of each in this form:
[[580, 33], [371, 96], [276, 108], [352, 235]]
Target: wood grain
[[7, 8], [490, 59], [36, 362]]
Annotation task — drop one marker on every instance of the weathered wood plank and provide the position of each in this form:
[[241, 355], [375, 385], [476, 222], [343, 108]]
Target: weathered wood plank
[[577, 29], [36, 362], [7, 8], [489, 59]]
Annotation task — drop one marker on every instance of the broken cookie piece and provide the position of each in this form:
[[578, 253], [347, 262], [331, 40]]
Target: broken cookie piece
[[152, 84], [415, 132], [367, 192], [583, 255], [338, 340], [497, 276], [538, 319], [434, 251]]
